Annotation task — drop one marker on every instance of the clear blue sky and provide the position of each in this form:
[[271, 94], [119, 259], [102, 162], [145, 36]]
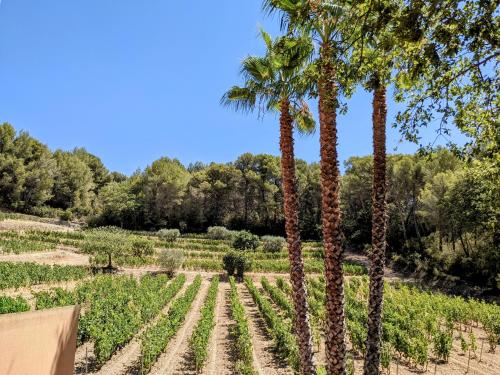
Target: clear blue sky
[[132, 81]]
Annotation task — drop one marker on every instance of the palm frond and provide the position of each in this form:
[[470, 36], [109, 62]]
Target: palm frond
[[303, 118], [240, 98], [331, 10], [267, 38], [255, 68]]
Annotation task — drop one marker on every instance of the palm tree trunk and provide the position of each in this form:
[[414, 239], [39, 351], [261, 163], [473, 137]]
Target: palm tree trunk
[[373, 342], [297, 276], [332, 238]]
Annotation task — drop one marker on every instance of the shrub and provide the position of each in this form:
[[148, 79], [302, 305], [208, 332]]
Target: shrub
[[219, 233], [169, 235], [171, 260], [66, 215], [236, 262], [245, 240], [273, 244], [142, 247]]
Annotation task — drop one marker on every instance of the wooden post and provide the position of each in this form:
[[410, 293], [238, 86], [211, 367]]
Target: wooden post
[[481, 354], [86, 361], [468, 363]]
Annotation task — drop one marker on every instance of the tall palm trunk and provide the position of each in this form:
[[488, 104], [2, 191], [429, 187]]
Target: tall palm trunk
[[330, 184], [297, 276], [377, 257]]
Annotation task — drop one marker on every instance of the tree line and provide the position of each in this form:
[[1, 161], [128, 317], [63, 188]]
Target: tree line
[[442, 216]]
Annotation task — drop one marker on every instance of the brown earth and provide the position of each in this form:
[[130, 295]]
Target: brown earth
[[10, 224]]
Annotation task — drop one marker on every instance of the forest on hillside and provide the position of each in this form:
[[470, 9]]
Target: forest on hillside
[[442, 209]]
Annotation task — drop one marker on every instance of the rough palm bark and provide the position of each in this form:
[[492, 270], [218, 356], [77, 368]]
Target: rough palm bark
[[297, 276], [335, 345], [377, 256]]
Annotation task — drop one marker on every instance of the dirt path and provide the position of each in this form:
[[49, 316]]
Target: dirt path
[[126, 360], [175, 359], [266, 361], [221, 344], [10, 224], [62, 255]]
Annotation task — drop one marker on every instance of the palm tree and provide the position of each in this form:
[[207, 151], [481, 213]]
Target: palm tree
[[275, 82], [377, 255], [376, 53], [323, 19]]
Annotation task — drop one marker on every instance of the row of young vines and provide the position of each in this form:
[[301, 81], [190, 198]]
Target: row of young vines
[[198, 343], [241, 333], [156, 337]]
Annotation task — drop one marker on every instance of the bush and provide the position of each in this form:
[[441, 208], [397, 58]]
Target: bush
[[171, 260], [66, 215], [245, 241], [219, 233], [142, 247], [273, 244], [236, 262], [169, 235]]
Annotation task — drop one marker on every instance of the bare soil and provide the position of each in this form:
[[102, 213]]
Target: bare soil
[[63, 255], [221, 346], [10, 224], [266, 360], [175, 359]]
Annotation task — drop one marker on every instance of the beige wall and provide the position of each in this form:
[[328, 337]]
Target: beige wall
[[39, 342]]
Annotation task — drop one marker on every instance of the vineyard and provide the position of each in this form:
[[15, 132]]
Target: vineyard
[[139, 320]]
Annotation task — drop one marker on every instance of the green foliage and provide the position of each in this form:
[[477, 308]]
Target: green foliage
[[170, 260], [21, 245], [119, 203], [442, 227], [280, 330], [15, 275], [244, 240], [283, 285], [112, 241], [278, 297], [164, 184], [236, 262], [219, 233], [73, 183], [443, 342], [169, 235], [119, 306], [273, 244], [198, 343], [13, 304], [66, 215], [156, 337], [241, 332], [54, 298], [142, 247], [464, 345], [411, 318]]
